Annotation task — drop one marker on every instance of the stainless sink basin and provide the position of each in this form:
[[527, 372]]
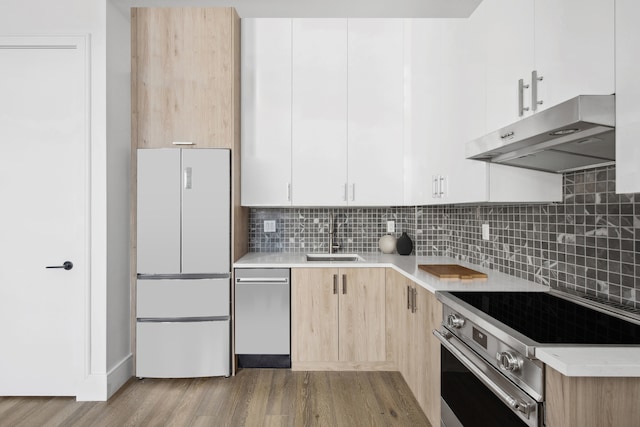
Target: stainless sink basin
[[334, 257]]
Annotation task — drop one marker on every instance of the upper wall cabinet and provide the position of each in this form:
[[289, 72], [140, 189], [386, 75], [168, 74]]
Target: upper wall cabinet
[[627, 96], [460, 180], [574, 49], [506, 28], [543, 52], [425, 155], [375, 112], [266, 112], [322, 112], [183, 77], [319, 121]]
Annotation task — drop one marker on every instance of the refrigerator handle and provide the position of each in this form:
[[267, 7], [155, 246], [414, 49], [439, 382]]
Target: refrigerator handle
[[187, 178]]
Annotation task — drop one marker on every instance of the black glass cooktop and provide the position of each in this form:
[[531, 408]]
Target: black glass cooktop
[[548, 319]]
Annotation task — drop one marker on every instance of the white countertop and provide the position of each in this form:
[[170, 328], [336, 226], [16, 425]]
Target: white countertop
[[578, 361], [406, 265], [592, 361]]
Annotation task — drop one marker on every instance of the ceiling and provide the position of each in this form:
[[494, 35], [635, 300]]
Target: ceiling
[[325, 8]]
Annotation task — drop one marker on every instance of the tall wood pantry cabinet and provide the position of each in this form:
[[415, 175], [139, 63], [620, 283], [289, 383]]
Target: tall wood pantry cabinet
[[185, 93]]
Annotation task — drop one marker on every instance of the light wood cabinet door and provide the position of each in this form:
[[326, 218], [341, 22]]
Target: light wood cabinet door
[[591, 401], [314, 315], [398, 306], [362, 315], [412, 314], [431, 318], [185, 76]]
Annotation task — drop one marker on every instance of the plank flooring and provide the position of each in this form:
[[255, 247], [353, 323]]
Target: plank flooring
[[254, 397]]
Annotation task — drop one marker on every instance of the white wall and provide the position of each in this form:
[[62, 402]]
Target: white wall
[[81, 17], [119, 361]]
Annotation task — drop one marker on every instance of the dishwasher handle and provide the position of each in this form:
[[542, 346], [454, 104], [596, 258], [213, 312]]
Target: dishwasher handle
[[250, 280]]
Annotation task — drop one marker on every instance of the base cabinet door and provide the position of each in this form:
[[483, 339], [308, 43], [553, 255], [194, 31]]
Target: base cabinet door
[[314, 315], [361, 315], [338, 315], [412, 313]]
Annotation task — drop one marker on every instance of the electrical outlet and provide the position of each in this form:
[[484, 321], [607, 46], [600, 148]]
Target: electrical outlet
[[270, 226], [485, 231], [391, 226]]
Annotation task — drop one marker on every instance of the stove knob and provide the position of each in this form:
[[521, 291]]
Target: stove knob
[[509, 361], [455, 321]]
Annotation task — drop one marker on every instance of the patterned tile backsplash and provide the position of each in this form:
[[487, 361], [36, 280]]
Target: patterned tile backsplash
[[590, 242]]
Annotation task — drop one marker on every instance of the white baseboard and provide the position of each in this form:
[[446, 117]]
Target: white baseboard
[[100, 387], [119, 375]]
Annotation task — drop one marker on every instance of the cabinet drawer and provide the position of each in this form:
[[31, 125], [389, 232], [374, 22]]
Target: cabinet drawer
[[168, 298], [182, 349]]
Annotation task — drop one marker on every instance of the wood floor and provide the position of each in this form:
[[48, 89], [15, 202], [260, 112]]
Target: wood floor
[[254, 397]]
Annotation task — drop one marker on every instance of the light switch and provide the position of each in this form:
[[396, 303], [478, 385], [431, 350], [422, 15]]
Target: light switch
[[270, 226]]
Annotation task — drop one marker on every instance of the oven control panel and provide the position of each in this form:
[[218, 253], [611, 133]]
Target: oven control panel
[[523, 371]]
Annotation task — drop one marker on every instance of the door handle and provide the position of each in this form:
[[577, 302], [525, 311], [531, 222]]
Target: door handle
[[344, 283], [67, 265]]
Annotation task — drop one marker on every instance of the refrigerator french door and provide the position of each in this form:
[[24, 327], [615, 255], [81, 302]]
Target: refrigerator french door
[[183, 263]]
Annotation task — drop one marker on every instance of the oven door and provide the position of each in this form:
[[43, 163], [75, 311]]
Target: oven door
[[474, 393]]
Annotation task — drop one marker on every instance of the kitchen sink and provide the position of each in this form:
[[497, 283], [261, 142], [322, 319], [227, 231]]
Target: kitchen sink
[[334, 257]]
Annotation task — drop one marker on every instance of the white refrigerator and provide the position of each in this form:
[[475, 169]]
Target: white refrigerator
[[183, 263]]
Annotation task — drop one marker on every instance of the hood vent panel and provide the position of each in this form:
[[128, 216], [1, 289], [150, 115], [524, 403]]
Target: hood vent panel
[[577, 134]]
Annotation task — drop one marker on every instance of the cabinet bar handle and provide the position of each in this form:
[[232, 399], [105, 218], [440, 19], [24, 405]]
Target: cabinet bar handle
[[183, 143], [353, 192], [442, 183], [434, 186], [534, 90], [521, 107], [288, 191], [187, 178], [344, 284], [413, 300], [344, 197], [335, 284]]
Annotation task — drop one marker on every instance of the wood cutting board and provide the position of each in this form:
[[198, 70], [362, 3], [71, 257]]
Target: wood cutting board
[[451, 271]]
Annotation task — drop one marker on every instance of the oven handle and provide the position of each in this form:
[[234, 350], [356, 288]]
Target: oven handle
[[514, 404]]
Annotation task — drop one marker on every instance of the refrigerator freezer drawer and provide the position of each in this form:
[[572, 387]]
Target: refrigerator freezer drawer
[[182, 298], [183, 349]]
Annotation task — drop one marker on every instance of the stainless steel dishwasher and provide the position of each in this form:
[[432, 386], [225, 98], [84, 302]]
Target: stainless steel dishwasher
[[262, 317]]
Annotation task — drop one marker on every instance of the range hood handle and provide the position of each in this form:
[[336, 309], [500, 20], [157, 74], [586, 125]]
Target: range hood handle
[[521, 88], [534, 90]]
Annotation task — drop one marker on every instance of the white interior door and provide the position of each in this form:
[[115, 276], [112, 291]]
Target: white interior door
[[43, 188]]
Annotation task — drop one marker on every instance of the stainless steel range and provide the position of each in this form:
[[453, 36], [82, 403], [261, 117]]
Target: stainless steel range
[[489, 371]]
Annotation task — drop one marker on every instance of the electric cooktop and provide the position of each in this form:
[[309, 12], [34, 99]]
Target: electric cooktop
[[548, 319]]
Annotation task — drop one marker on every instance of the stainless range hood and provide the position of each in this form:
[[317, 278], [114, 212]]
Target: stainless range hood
[[577, 134]]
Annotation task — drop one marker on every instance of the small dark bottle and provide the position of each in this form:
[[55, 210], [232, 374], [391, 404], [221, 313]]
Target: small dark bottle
[[404, 245]]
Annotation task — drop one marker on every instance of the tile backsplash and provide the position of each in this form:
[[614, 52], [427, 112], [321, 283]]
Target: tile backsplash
[[590, 242]]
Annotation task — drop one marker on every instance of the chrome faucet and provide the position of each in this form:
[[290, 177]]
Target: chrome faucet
[[333, 246]]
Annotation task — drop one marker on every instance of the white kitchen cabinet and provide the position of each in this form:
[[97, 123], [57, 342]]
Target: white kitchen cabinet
[[319, 105], [507, 29], [266, 112], [569, 44], [423, 116], [463, 112], [627, 96], [574, 49], [375, 112]]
